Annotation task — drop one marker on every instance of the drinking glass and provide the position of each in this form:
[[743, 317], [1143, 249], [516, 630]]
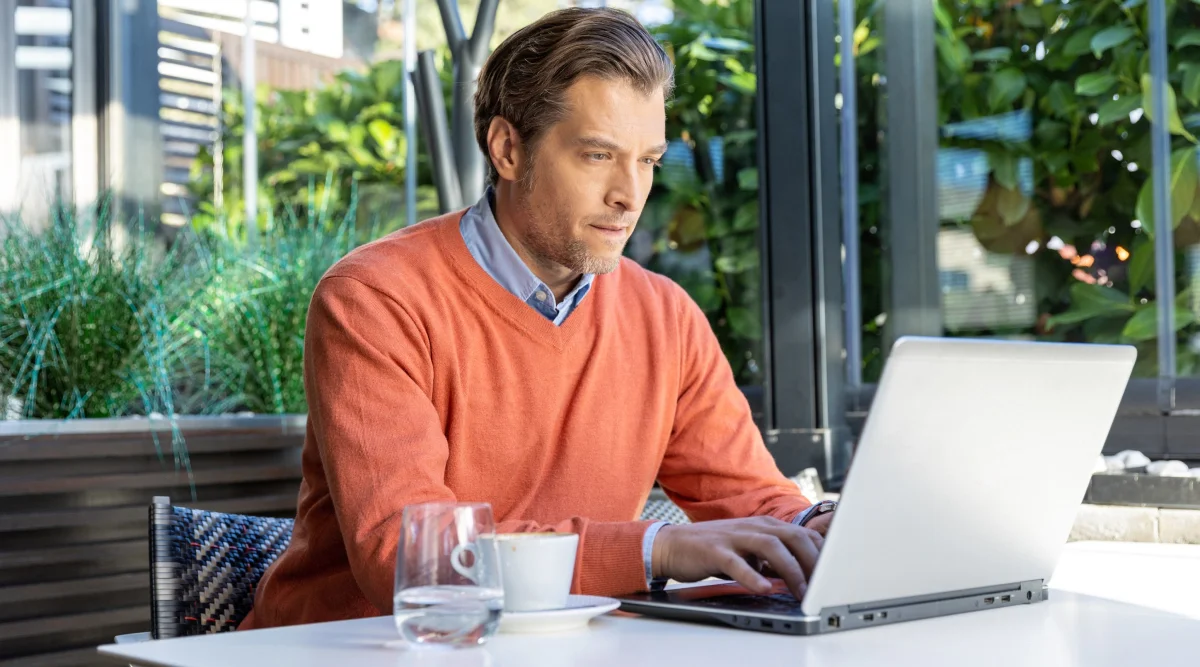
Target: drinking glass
[[448, 589]]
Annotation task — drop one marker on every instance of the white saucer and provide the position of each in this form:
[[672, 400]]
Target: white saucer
[[580, 610]]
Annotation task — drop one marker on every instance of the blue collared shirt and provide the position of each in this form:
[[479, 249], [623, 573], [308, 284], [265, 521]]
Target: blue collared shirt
[[495, 254]]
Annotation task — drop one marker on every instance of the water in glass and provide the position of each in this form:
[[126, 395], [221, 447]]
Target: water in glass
[[448, 589], [448, 614]]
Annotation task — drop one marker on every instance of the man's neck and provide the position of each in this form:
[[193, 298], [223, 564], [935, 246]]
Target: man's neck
[[560, 279]]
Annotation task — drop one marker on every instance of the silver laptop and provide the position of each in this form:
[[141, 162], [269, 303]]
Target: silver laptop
[[965, 483]]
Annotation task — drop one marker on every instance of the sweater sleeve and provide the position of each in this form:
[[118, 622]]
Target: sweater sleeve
[[368, 378], [716, 465]]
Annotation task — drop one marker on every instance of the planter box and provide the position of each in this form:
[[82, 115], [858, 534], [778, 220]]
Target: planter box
[[1144, 490], [73, 516]]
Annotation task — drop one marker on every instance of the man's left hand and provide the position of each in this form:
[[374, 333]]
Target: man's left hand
[[821, 523]]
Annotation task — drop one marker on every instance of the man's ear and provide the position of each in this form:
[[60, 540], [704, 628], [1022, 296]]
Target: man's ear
[[505, 149]]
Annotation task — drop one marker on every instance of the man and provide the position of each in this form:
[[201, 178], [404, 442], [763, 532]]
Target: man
[[509, 354]]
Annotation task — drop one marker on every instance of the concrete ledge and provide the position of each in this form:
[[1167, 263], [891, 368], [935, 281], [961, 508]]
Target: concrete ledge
[[1179, 526], [1136, 524]]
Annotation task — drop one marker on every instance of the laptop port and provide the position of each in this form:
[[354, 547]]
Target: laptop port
[[882, 615], [868, 617], [768, 624], [1006, 598], [989, 600], [835, 621]]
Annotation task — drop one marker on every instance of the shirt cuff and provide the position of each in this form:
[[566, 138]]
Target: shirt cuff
[[648, 550]]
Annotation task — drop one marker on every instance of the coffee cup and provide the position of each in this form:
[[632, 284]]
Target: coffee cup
[[536, 569]]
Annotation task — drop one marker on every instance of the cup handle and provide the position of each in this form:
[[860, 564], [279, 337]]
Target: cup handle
[[456, 561]]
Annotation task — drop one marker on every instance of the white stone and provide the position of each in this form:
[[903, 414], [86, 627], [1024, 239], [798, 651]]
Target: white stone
[[1168, 469], [1101, 466], [1131, 459]]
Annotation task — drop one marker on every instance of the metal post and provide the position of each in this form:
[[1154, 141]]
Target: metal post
[[1164, 241], [132, 146], [804, 407], [10, 118], [468, 158], [433, 119], [911, 144], [85, 128], [468, 54], [249, 129], [851, 269], [410, 111]]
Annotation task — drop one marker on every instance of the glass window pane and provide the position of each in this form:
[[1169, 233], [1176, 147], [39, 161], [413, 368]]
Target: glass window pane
[[1042, 172]]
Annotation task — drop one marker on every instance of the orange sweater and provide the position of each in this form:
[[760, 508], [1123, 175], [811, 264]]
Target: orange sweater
[[428, 381]]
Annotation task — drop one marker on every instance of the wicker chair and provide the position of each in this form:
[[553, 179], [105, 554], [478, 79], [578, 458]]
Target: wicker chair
[[204, 568]]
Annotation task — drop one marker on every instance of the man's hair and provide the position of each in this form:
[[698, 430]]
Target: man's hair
[[525, 79]]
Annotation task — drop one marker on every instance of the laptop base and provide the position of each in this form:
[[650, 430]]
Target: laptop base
[[726, 606]]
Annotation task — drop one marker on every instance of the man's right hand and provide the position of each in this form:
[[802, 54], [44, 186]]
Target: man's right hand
[[736, 548]]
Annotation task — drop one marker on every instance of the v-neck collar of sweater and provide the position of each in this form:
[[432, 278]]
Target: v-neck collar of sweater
[[507, 304]]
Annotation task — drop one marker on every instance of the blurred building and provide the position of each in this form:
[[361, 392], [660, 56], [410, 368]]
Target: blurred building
[[100, 96]]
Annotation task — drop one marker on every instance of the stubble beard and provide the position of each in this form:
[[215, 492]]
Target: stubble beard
[[550, 242]]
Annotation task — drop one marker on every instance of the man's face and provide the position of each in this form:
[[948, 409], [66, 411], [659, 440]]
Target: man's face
[[590, 176]]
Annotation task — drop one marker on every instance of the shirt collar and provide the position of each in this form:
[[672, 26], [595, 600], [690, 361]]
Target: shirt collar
[[496, 255]]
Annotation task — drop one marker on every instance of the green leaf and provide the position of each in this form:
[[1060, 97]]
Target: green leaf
[[746, 323], [1092, 301], [1119, 109], [743, 82], [1007, 86], [954, 53], [748, 178], [1095, 83], [1061, 99], [1191, 83], [1189, 38], [1080, 42], [943, 17], [338, 131], [699, 51], [998, 54], [1184, 177], [746, 218], [1030, 17], [385, 135], [388, 76], [1006, 168], [1174, 122], [1051, 132], [1141, 266], [1143, 326], [1012, 206], [1110, 38]]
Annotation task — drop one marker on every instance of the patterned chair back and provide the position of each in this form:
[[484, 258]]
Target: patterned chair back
[[205, 567]]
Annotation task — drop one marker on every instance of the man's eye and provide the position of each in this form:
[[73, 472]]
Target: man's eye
[[597, 156]]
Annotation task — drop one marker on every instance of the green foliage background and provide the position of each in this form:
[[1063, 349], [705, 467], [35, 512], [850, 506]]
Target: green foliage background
[[97, 319]]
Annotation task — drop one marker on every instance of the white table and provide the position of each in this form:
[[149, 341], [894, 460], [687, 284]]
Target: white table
[[1113, 604]]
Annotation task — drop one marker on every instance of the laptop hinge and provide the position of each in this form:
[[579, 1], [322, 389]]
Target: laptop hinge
[[929, 606]]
